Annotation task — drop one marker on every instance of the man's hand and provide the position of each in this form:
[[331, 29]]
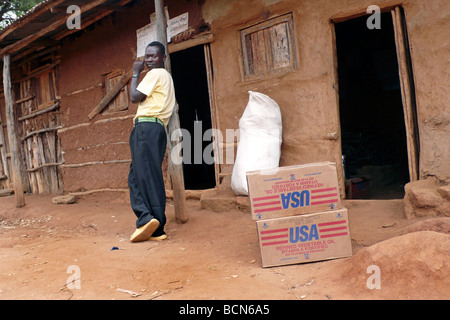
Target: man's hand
[[138, 66], [135, 95]]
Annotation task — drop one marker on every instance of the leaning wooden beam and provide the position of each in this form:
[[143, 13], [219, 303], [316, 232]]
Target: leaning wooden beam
[[175, 170], [111, 94], [13, 144]]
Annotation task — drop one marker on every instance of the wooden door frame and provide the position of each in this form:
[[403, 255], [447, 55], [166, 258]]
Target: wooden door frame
[[406, 84], [205, 40], [407, 91]]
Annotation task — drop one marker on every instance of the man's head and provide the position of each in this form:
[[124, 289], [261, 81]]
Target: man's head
[[155, 55]]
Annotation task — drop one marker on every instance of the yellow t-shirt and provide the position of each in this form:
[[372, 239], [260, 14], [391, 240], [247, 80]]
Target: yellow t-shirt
[[157, 85]]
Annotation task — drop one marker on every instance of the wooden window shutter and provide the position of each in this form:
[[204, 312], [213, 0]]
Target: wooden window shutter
[[120, 102], [269, 47], [45, 89]]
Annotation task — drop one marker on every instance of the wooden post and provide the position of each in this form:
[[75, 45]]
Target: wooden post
[[175, 170], [13, 144], [406, 92]]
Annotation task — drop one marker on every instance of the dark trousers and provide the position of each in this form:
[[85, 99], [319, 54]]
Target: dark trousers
[[147, 193]]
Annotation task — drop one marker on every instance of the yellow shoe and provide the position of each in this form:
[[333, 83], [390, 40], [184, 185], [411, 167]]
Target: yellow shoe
[[159, 238], [145, 232]]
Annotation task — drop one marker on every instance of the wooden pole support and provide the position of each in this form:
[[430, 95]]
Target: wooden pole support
[[175, 169], [13, 143]]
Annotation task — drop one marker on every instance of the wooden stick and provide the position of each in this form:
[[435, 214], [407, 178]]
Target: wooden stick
[[54, 164], [175, 170], [111, 94], [34, 114], [77, 165], [13, 144], [41, 131], [24, 99]]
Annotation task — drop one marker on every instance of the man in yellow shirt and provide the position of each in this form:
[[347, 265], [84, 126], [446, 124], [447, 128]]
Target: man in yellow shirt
[[156, 97]]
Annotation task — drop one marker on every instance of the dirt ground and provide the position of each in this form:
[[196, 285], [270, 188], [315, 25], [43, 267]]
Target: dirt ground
[[213, 256]]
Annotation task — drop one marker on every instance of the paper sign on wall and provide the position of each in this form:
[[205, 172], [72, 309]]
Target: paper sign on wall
[[177, 25], [148, 33], [145, 35]]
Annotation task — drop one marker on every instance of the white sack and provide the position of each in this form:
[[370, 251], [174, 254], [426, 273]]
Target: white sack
[[260, 139]]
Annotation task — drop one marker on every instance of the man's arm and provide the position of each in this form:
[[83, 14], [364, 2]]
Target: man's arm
[[135, 95]]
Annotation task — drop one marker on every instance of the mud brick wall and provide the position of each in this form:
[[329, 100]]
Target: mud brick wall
[[307, 94]]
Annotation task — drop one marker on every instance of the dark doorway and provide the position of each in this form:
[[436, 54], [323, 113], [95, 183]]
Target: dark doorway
[[191, 90], [373, 130]]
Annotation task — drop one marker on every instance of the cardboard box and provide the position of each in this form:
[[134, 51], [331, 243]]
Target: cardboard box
[[293, 190], [304, 238]]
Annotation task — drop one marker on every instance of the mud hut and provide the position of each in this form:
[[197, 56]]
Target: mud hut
[[362, 84]]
